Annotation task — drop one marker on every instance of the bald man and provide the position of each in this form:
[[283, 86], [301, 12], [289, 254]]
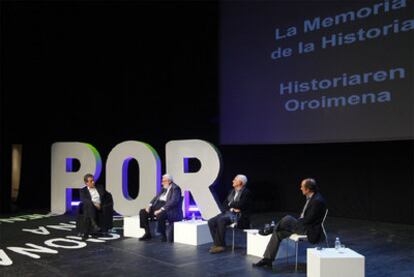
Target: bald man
[[309, 222]]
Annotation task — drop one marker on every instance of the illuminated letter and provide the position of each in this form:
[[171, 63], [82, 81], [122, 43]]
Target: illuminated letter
[[117, 179], [177, 154], [63, 178]]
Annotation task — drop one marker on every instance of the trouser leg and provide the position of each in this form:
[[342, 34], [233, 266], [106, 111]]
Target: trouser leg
[[162, 218], [284, 229], [89, 210], [212, 225], [222, 223], [217, 226], [143, 220]]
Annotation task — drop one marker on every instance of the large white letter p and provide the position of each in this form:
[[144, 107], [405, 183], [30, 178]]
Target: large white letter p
[[63, 178]]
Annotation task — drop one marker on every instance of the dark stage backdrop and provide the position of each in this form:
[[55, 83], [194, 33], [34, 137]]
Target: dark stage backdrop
[[106, 72]]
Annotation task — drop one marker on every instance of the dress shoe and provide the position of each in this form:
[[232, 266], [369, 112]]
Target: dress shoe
[[145, 237], [266, 231], [217, 249], [104, 234], [263, 263], [95, 227], [163, 238]]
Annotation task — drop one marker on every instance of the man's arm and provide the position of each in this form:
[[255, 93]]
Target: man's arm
[[153, 200], [84, 195], [174, 200], [315, 211], [101, 190], [244, 202], [225, 205]]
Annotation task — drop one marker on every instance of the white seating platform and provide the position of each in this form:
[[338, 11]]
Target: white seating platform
[[131, 227], [256, 245], [330, 262], [192, 232]]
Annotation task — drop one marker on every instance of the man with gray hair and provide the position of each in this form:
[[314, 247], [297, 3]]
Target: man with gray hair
[[236, 208], [166, 206]]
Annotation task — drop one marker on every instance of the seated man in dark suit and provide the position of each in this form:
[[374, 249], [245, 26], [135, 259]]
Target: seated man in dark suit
[[236, 208], [96, 207], [308, 223], [164, 206]]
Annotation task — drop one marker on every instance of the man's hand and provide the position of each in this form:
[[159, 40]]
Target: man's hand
[[157, 212], [147, 209], [236, 210]]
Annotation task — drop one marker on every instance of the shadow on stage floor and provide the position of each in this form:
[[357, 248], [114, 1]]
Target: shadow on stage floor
[[388, 250]]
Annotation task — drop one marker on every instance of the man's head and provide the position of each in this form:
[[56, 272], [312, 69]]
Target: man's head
[[166, 180], [308, 186], [89, 180], [239, 181]]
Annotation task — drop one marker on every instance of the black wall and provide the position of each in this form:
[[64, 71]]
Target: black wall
[[372, 180], [106, 72]]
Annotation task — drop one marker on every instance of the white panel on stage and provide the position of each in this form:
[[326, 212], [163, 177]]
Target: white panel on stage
[[192, 232], [256, 245], [131, 227], [330, 262]]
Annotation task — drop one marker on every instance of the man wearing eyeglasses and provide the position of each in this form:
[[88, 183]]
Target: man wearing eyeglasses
[[166, 206]]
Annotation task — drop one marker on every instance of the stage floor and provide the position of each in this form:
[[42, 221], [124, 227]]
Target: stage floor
[[388, 250]]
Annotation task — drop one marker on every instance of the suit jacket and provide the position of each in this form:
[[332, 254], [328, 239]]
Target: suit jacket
[[243, 203], [173, 204], [85, 196], [313, 217], [104, 216]]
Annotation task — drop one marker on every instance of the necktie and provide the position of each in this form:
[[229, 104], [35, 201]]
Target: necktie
[[235, 195], [304, 208]]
